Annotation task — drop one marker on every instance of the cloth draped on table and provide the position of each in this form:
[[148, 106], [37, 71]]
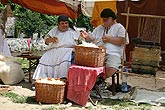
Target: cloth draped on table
[[85, 81], [81, 80]]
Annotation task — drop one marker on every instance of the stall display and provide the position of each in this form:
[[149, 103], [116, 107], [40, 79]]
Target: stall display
[[145, 60], [146, 54]]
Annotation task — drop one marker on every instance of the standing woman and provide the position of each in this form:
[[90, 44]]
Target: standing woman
[[4, 48]]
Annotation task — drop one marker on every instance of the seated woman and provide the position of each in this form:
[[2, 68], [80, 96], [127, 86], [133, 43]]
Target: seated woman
[[111, 35], [56, 61]]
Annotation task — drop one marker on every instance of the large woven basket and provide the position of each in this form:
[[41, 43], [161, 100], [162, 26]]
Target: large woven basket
[[50, 93], [89, 56]]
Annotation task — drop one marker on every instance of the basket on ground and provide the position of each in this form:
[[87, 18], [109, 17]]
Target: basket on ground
[[89, 56], [50, 90]]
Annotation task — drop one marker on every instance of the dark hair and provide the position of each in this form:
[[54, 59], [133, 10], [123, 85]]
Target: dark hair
[[62, 18], [107, 12]]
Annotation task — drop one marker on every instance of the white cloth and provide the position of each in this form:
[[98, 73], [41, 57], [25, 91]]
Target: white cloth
[[10, 70], [87, 7], [115, 30], [4, 48], [73, 4], [56, 61], [153, 97]]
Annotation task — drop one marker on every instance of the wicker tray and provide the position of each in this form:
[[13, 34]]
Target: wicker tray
[[89, 56], [50, 93]]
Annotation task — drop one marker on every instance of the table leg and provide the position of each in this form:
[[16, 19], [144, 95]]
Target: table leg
[[30, 70], [117, 75], [113, 84], [32, 65], [94, 103]]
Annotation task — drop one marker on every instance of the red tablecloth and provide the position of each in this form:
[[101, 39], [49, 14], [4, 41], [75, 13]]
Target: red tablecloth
[[81, 80]]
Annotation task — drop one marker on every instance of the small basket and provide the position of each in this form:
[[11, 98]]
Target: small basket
[[50, 93], [89, 56]]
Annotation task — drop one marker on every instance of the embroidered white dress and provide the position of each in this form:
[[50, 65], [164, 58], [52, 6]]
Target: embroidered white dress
[[56, 61], [115, 30]]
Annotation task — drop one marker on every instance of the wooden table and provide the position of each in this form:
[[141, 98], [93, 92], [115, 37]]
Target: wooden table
[[33, 62]]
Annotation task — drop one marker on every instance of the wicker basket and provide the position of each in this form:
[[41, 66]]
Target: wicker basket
[[89, 56], [50, 93]]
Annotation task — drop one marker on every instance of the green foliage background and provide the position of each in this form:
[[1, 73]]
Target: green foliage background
[[30, 22]]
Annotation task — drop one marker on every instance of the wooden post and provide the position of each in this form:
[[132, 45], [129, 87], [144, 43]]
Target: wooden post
[[143, 15], [127, 21]]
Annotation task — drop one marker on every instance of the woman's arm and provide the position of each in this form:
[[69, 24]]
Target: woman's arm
[[114, 40], [117, 40], [86, 36]]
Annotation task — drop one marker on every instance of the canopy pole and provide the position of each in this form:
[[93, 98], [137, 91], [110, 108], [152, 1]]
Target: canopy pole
[[143, 15], [124, 48]]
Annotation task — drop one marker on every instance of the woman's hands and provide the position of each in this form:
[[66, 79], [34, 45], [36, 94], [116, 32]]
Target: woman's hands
[[84, 34], [106, 38], [52, 39]]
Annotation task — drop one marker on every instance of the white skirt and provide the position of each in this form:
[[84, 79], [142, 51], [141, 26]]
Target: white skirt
[[54, 63]]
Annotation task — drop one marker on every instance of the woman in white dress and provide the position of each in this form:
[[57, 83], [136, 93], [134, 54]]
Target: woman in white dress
[[56, 61], [4, 48]]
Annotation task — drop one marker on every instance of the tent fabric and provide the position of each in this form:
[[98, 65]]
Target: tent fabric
[[98, 7], [69, 7], [73, 4], [87, 7], [4, 1], [50, 7]]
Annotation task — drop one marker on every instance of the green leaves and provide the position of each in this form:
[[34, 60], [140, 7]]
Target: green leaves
[[30, 22], [83, 21]]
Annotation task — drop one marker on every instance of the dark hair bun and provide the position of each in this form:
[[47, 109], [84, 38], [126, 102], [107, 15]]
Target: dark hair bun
[[107, 12]]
